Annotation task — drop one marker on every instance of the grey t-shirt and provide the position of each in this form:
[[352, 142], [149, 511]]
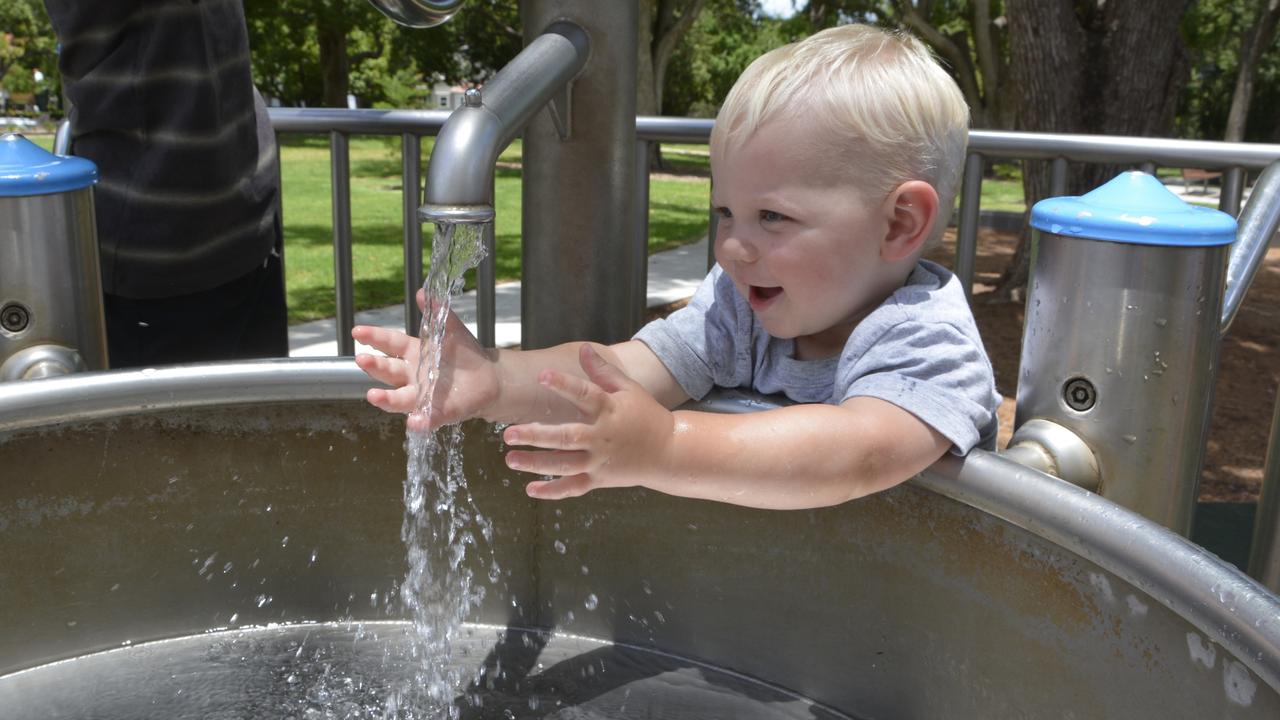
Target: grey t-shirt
[[919, 350]]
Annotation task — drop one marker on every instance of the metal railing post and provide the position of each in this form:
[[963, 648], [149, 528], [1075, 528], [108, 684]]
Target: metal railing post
[[640, 279], [1232, 191], [340, 177], [1058, 177], [411, 198], [487, 282], [967, 223]]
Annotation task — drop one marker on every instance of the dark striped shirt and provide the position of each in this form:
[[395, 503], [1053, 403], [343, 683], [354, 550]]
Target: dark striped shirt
[[163, 102]]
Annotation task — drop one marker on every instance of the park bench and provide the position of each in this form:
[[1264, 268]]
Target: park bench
[[1190, 175]]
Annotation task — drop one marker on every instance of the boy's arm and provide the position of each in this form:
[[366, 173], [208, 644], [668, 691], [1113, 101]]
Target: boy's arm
[[524, 398], [498, 385], [794, 457]]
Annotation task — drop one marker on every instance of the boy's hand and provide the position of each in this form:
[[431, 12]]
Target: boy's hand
[[467, 385], [623, 437]]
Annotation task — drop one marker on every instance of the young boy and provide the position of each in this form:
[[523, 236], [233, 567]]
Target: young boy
[[835, 163]]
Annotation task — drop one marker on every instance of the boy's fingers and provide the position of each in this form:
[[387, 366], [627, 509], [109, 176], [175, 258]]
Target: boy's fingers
[[391, 371], [602, 373], [550, 462], [399, 400], [583, 394], [391, 342], [560, 488], [564, 436]]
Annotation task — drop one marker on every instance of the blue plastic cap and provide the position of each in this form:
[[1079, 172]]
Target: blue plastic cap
[[28, 169], [1134, 208]]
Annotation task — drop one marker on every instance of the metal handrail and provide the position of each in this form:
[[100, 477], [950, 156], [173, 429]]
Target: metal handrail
[[1233, 158]]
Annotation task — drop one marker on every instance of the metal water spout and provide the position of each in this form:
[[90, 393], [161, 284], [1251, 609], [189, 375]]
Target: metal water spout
[[461, 172], [1131, 292]]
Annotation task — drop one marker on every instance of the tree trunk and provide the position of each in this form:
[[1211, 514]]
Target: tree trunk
[[663, 23], [1256, 40], [1108, 68], [335, 66]]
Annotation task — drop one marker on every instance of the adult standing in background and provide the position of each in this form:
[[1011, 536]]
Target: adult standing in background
[[162, 100]]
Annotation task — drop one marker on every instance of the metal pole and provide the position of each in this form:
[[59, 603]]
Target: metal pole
[[577, 221], [713, 226], [967, 225], [340, 177], [487, 282], [640, 277], [1232, 191], [1058, 177], [411, 198]]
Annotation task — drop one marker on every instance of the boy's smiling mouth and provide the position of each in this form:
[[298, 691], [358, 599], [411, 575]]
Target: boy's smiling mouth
[[761, 297]]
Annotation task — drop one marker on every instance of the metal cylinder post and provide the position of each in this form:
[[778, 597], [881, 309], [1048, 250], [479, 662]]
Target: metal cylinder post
[[51, 315], [1121, 338], [577, 224]]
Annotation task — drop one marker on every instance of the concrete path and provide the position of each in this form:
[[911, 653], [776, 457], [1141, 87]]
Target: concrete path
[[673, 275]]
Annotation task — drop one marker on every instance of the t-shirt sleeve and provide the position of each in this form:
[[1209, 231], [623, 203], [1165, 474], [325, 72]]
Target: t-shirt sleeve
[[933, 371], [696, 343]]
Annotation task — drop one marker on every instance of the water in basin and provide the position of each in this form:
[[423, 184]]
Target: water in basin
[[346, 671]]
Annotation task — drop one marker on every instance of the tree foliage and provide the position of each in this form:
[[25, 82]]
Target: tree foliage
[[727, 36], [316, 52], [1216, 32], [27, 45]]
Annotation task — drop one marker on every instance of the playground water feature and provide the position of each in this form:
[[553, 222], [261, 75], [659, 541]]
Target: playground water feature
[[982, 589]]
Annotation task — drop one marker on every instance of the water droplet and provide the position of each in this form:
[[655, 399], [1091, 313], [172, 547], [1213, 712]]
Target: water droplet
[[284, 542], [591, 602], [1131, 439], [560, 547], [1161, 322], [315, 552], [234, 617], [585, 570], [263, 600]]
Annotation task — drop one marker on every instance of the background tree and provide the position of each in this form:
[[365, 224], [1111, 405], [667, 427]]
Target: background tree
[[1108, 67], [970, 36], [1257, 39], [27, 45], [725, 38]]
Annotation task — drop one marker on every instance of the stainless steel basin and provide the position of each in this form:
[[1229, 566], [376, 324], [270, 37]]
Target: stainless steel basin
[[143, 505]]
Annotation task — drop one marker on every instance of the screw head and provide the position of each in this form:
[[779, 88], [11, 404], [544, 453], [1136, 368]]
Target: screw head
[[1079, 394], [15, 317]]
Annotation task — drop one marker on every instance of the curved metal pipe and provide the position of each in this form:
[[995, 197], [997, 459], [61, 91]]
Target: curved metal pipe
[[33, 403], [1220, 601], [1258, 224], [460, 174]]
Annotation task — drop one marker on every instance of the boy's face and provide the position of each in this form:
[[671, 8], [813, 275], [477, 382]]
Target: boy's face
[[803, 249]]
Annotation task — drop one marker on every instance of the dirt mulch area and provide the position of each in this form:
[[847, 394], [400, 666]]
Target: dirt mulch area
[[1247, 378]]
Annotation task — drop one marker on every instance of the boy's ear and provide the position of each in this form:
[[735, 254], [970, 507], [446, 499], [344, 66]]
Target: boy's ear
[[911, 209]]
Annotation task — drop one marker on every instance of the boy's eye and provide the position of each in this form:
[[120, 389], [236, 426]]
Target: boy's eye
[[724, 212], [771, 216]]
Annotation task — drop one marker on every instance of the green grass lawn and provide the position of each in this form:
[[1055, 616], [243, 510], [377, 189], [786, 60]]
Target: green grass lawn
[[677, 215]]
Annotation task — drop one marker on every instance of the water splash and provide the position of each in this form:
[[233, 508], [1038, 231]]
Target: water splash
[[440, 516]]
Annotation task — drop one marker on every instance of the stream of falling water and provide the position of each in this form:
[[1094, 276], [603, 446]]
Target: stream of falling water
[[440, 517]]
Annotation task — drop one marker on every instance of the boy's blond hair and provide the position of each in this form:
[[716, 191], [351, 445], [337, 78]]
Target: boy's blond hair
[[891, 112]]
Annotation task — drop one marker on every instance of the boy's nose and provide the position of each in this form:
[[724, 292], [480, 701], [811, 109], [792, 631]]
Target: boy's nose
[[735, 247]]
